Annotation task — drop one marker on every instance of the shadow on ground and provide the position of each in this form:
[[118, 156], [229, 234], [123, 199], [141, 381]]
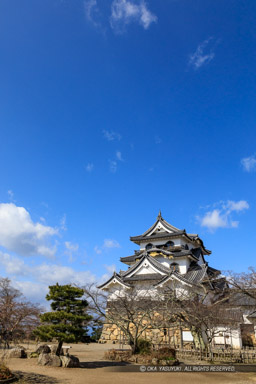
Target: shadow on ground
[[102, 364], [34, 378]]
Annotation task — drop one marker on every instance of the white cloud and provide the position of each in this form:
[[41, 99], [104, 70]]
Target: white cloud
[[110, 243], [110, 268], [112, 166], [107, 244], [222, 217], [111, 135], [97, 250], [63, 223], [13, 265], [124, 12], [39, 277], [33, 291], [119, 156], [89, 167], [249, 163], [236, 206], [91, 10], [200, 57], [18, 233], [71, 249]]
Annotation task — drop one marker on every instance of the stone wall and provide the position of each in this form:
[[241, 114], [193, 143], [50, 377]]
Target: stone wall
[[169, 336]]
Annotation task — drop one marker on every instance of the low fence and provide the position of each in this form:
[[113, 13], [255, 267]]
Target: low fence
[[244, 355]]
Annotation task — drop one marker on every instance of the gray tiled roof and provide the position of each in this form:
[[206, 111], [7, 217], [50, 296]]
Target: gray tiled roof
[[154, 262], [240, 298], [159, 235], [253, 314], [197, 274], [114, 276], [164, 223], [149, 276], [195, 252]]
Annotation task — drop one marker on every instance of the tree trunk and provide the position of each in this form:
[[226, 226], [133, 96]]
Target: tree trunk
[[58, 351], [133, 345], [198, 339]]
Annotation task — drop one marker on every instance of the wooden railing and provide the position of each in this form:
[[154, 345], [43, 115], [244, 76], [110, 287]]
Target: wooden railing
[[244, 355]]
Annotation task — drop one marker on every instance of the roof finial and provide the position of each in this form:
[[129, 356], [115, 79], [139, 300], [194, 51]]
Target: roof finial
[[159, 215]]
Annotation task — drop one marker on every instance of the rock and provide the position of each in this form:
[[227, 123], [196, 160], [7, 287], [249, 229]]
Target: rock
[[43, 348], [16, 353], [70, 361], [54, 349], [172, 362], [154, 361], [162, 362], [49, 359]]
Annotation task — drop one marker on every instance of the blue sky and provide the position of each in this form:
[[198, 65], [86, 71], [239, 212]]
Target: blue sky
[[112, 110]]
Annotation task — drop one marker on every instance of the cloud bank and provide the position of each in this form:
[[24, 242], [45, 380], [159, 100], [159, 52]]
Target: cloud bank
[[18, 233], [221, 217]]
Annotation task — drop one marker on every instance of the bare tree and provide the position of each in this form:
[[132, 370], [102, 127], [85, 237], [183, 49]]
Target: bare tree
[[244, 282], [131, 310], [134, 311], [203, 313], [18, 317]]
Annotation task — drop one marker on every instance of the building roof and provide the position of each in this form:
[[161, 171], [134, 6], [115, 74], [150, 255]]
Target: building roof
[[167, 231], [115, 278], [196, 274], [145, 256], [252, 315], [242, 299], [164, 223], [148, 276], [194, 253]]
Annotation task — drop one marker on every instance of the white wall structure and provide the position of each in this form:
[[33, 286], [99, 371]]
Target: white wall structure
[[170, 258]]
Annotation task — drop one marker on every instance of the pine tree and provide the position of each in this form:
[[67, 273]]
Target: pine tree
[[68, 318]]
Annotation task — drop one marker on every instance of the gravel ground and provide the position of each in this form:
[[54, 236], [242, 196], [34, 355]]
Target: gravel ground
[[96, 370]]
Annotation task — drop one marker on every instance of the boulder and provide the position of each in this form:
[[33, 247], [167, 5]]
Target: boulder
[[49, 359], [54, 349], [43, 348], [154, 361], [70, 361], [19, 353]]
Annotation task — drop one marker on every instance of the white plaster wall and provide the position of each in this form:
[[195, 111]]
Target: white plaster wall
[[146, 269], [200, 260], [160, 228], [234, 337], [143, 288], [246, 320], [183, 263], [176, 241]]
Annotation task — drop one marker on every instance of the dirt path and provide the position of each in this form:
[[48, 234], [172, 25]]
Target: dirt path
[[96, 370]]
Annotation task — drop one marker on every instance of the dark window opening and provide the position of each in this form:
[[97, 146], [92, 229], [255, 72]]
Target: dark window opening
[[175, 267]]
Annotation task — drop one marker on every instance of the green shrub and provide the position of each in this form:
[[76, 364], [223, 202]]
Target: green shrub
[[165, 353], [144, 346]]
